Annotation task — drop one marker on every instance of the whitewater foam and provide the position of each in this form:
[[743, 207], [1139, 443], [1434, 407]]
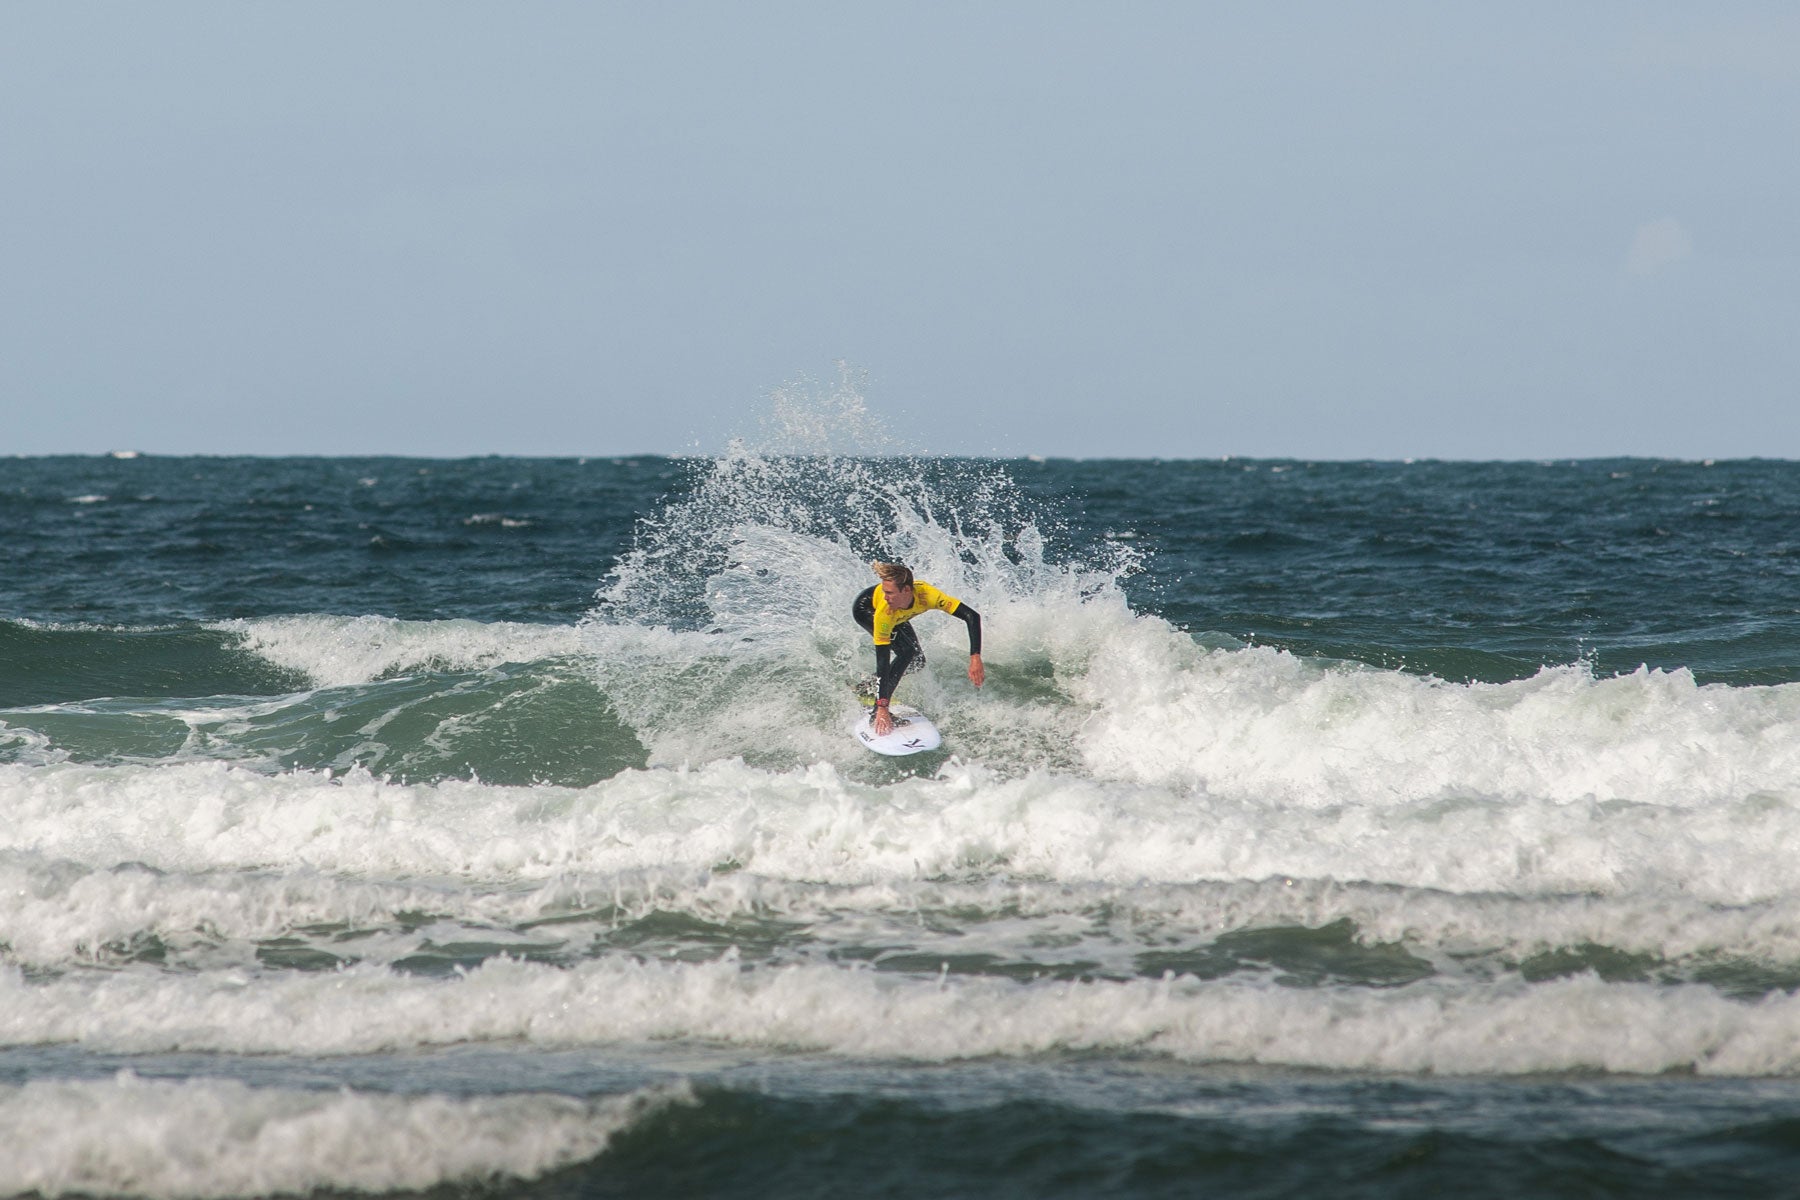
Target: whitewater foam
[[1503, 1027], [219, 1138], [817, 823], [67, 915], [335, 651], [1263, 725]]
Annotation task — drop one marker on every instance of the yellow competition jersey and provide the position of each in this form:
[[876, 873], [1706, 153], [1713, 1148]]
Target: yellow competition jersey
[[925, 598]]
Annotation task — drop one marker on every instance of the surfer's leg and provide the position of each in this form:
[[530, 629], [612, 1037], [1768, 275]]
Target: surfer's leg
[[907, 655], [908, 641]]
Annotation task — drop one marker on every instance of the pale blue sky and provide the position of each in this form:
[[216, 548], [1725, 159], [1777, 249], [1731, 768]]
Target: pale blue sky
[[1144, 229]]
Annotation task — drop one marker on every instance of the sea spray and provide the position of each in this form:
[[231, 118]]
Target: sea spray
[[726, 626]]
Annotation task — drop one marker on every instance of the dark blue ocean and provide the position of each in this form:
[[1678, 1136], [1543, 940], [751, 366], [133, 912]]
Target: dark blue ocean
[[495, 827]]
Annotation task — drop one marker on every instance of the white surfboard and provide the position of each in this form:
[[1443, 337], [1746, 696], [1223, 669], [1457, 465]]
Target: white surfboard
[[913, 732]]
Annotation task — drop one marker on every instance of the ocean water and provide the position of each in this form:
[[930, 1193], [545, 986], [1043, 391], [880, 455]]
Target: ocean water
[[493, 827]]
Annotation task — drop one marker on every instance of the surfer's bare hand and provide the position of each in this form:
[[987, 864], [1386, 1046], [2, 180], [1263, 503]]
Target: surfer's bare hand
[[884, 722], [977, 672]]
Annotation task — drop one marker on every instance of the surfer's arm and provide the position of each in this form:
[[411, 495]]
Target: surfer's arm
[[890, 665], [884, 656], [971, 618], [884, 689]]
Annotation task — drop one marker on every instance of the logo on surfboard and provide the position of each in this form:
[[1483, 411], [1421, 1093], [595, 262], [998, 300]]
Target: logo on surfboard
[[912, 732]]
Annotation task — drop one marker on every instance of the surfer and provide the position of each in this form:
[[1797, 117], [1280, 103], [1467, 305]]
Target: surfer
[[885, 610]]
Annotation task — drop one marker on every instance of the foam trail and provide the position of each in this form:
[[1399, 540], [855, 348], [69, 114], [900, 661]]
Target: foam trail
[[129, 1136]]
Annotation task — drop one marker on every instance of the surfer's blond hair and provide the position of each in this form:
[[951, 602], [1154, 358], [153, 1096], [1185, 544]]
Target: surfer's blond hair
[[892, 572]]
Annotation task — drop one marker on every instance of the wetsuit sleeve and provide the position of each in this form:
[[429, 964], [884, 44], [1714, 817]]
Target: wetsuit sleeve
[[972, 619]]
